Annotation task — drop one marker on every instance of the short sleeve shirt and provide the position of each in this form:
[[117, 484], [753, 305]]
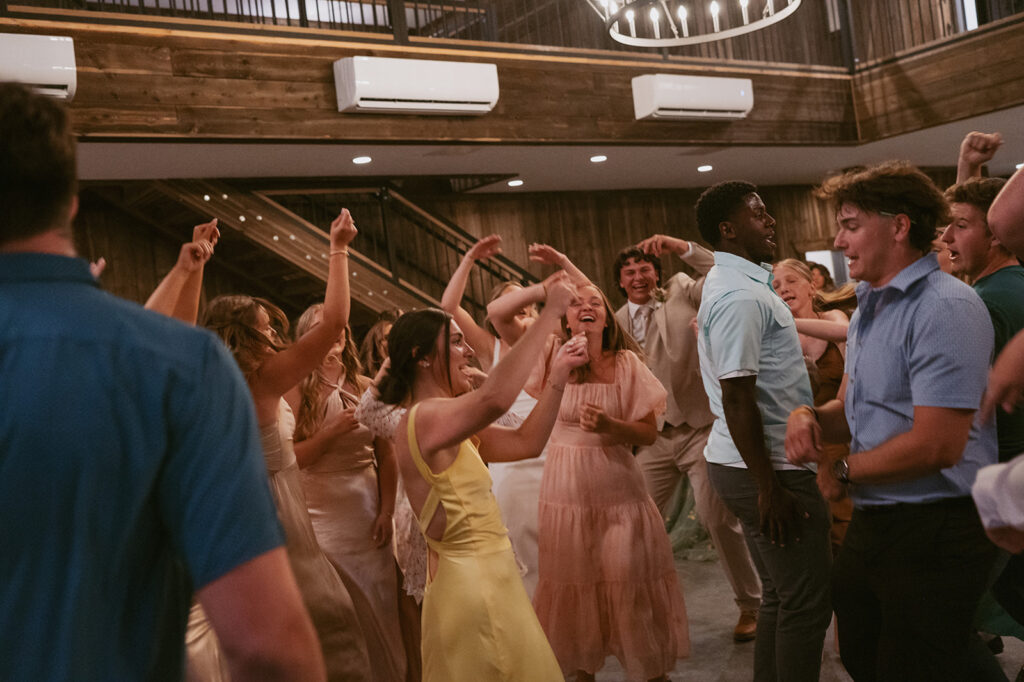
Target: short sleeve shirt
[[922, 340], [130, 474], [745, 329]]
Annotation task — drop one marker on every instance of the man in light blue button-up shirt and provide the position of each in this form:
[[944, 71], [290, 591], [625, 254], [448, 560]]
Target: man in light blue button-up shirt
[[754, 374], [915, 558]]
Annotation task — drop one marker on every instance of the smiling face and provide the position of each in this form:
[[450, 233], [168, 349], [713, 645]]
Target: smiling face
[[587, 312], [459, 355], [638, 279], [795, 289], [968, 239], [753, 230]]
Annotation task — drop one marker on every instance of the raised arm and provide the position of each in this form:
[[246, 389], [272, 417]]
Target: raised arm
[[442, 423], [543, 253], [1006, 214], [695, 255], [479, 338], [502, 311], [263, 627], [177, 295], [976, 150], [283, 370], [502, 444]]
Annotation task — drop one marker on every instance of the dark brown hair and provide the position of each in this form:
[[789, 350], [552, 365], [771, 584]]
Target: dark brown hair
[[979, 192], [38, 172], [634, 253], [892, 187], [413, 337], [234, 319]]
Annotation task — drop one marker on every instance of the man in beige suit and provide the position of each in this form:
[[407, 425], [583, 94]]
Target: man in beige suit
[[660, 320]]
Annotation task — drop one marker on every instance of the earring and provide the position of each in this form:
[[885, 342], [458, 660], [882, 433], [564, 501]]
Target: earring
[[424, 363]]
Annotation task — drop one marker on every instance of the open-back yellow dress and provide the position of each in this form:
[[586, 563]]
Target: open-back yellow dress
[[478, 623]]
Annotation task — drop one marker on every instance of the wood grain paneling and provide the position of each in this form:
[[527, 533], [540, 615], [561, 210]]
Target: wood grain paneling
[[209, 86], [967, 77], [591, 227]]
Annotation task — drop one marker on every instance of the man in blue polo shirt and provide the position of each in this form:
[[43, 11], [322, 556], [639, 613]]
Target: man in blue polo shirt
[[130, 464], [915, 559], [754, 374]]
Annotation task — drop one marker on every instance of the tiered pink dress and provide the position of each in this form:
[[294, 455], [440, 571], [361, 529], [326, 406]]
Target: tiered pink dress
[[608, 583]]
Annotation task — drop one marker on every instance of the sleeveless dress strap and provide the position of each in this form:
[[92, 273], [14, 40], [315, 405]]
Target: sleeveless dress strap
[[433, 498]]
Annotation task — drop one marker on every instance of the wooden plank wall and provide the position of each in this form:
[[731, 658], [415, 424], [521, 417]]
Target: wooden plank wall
[[975, 75], [882, 28], [142, 82], [591, 227]]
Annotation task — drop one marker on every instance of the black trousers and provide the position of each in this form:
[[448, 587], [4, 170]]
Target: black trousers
[[905, 587]]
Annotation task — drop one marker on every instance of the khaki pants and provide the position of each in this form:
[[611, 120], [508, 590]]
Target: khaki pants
[[678, 452]]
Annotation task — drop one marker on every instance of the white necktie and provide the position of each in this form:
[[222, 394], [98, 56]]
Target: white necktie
[[641, 318]]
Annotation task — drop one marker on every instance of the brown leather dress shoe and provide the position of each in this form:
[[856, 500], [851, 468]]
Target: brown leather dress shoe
[[746, 627]]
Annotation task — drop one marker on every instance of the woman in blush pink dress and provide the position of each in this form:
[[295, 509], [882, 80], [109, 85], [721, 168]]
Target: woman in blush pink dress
[[608, 583]]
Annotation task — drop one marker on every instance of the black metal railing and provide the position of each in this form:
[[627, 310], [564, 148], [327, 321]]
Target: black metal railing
[[417, 248], [826, 31]]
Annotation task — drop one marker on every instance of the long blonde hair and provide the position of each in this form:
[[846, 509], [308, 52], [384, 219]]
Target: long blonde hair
[[313, 399], [842, 298]]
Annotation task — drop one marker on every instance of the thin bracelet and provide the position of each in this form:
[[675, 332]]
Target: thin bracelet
[[343, 251]]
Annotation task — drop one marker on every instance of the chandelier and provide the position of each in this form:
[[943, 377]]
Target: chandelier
[[670, 23]]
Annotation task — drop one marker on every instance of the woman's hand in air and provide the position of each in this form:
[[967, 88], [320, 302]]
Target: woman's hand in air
[[343, 230]]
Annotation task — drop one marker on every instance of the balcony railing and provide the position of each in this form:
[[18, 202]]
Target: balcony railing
[[875, 29]]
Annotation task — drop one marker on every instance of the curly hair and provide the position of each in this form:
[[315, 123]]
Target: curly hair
[[235, 318], [979, 192], [716, 204], [638, 256], [412, 338], [893, 187]]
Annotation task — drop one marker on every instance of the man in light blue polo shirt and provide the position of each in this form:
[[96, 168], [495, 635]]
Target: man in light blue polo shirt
[[754, 374], [915, 559]]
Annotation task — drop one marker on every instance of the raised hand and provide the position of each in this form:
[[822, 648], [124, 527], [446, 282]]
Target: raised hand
[[978, 149], [593, 418], [485, 248], [559, 293], [659, 243], [343, 230], [206, 232], [194, 255], [542, 253]]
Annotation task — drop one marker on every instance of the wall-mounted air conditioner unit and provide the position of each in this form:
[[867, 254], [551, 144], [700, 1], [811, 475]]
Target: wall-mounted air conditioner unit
[[415, 86], [47, 63], [664, 96]]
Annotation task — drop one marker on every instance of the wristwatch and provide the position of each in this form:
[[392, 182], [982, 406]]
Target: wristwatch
[[841, 470]]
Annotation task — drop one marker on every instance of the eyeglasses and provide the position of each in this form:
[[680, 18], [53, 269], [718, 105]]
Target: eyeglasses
[[888, 214]]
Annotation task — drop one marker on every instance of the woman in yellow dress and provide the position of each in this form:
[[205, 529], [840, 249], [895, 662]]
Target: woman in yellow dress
[[478, 623]]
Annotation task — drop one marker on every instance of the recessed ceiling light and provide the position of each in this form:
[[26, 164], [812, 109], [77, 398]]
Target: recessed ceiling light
[[599, 158], [703, 169], [515, 183], [360, 160]]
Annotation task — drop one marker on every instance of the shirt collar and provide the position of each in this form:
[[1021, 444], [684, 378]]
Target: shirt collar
[[634, 306], [44, 267], [905, 278], [761, 273]]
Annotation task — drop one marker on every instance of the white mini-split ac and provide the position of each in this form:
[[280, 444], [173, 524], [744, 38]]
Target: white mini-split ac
[[46, 63], [665, 96], [415, 86]]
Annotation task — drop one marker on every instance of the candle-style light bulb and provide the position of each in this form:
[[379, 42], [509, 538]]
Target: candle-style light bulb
[[682, 21], [746, 16], [714, 15], [655, 16]]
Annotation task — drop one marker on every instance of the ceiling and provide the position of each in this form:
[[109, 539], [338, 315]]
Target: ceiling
[[545, 168]]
